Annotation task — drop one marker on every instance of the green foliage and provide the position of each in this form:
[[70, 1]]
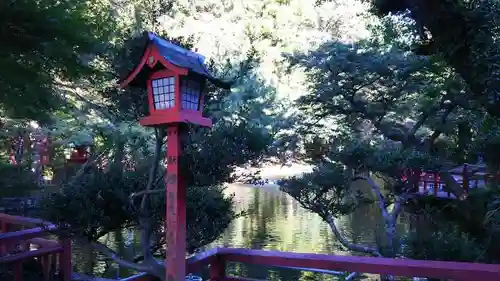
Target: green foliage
[[465, 34], [106, 199], [446, 244], [326, 191], [473, 219], [44, 41], [390, 108], [493, 215], [366, 87], [16, 180], [329, 189], [441, 240], [209, 213], [209, 159], [376, 107], [212, 155]]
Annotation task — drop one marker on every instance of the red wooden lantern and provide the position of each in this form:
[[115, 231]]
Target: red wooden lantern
[[175, 80], [79, 154]]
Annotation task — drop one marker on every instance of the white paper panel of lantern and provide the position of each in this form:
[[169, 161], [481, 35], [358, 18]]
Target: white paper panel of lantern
[[190, 93], [163, 92]]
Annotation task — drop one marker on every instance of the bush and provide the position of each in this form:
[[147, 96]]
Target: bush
[[445, 242], [99, 203], [15, 180]]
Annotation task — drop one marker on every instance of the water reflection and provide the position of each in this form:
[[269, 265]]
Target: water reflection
[[89, 262], [274, 221]]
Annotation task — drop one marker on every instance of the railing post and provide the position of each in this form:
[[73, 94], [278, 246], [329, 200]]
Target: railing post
[[217, 269], [465, 179], [65, 268], [53, 264], [18, 271], [436, 184], [46, 267], [5, 229]]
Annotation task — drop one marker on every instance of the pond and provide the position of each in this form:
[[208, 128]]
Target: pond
[[274, 221]]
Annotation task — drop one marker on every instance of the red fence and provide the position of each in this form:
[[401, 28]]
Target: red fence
[[21, 241], [217, 259], [18, 245]]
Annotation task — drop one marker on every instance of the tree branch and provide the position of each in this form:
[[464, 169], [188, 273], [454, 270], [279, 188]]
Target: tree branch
[[144, 212], [420, 122], [366, 84], [87, 164], [378, 192], [145, 192], [154, 168], [398, 206], [154, 248], [115, 258], [349, 245], [438, 131], [452, 185], [72, 89]]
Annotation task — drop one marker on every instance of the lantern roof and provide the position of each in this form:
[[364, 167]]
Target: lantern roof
[[168, 55]]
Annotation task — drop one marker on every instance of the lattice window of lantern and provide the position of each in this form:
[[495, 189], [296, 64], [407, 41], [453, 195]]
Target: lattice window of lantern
[[190, 91], [163, 93]]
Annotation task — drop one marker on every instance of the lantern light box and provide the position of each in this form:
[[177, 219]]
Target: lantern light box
[[175, 79]]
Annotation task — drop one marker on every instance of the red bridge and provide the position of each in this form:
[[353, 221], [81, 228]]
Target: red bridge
[[24, 240]]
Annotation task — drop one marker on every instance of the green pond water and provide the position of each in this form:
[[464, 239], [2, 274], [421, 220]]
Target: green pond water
[[274, 221]]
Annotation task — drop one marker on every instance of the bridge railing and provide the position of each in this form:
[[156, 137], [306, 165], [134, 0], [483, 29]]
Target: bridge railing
[[217, 260], [23, 240]]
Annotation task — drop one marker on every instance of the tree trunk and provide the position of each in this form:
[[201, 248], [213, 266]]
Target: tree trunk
[[117, 164]]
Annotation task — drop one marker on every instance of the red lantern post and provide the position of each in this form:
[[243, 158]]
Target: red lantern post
[[174, 78]]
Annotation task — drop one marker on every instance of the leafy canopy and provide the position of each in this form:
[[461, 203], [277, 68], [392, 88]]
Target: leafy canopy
[[43, 42]]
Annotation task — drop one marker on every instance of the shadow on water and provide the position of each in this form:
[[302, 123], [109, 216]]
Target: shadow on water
[[274, 221]]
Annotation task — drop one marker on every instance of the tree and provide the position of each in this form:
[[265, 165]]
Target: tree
[[328, 190], [16, 181], [375, 111], [123, 191], [465, 33], [46, 41], [379, 93], [122, 200], [442, 240]]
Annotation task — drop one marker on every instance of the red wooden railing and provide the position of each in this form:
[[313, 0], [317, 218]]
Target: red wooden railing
[[218, 258], [428, 183], [21, 240]]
